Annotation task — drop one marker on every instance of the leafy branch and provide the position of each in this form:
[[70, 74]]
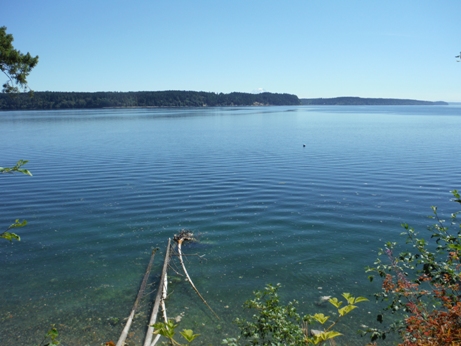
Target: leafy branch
[[10, 235], [51, 338], [16, 168], [327, 334], [17, 224], [168, 330]]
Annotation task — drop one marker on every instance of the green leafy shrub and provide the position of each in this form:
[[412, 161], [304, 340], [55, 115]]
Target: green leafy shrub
[[422, 285], [277, 324]]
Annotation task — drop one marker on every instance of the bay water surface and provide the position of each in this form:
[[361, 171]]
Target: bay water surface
[[110, 185]]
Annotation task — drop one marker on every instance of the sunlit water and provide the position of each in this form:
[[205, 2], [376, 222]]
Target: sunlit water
[[110, 185]]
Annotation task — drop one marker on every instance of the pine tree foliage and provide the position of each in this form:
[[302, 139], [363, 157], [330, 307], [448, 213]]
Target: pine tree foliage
[[14, 64]]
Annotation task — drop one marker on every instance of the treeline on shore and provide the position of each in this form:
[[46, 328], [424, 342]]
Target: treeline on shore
[[79, 100], [358, 101]]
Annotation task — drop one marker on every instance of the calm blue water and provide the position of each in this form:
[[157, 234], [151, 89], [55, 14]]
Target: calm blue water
[[110, 185]]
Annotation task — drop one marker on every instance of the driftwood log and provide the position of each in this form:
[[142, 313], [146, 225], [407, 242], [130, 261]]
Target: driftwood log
[[185, 235], [121, 340], [161, 295], [162, 291]]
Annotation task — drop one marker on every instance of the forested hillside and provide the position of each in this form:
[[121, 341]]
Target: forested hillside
[[79, 100]]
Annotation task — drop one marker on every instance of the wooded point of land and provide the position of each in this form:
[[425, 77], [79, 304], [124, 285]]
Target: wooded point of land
[[81, 100], [358, 101]]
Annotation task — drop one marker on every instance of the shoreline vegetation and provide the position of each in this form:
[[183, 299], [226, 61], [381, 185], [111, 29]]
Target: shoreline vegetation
[[50, 100], [141, 99]]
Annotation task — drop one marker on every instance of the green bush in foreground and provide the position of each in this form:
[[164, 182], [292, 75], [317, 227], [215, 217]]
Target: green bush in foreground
[[276, 324], [423, 284]]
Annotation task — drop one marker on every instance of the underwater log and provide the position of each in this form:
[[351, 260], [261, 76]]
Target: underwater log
[[121, 340], [159, 297]]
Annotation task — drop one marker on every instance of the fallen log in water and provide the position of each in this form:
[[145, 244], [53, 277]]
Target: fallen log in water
[[180, 238], [162, 302], [161, 295], [121, 340]]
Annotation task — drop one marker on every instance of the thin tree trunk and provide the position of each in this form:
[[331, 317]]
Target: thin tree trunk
[[162, 302], [121, 340], [158, 298]]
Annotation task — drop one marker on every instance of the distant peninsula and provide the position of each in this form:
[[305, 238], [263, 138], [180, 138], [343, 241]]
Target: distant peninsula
[[358, 101], [43, 100]]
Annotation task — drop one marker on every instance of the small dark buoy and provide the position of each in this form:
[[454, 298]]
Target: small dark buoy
[[304, 145]]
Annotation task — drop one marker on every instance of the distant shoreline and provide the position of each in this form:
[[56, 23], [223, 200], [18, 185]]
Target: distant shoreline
[[358, 101], [49, 100]]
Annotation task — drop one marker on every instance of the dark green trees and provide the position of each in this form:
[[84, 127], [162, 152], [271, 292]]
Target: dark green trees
[[15, 65], [168, 98]]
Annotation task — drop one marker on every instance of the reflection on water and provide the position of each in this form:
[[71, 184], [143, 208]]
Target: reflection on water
[[110, 185]]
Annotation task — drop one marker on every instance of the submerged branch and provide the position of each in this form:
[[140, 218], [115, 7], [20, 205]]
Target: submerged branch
[[184, 235]]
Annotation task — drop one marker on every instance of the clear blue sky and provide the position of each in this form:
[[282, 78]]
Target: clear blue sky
[[311, 48]]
